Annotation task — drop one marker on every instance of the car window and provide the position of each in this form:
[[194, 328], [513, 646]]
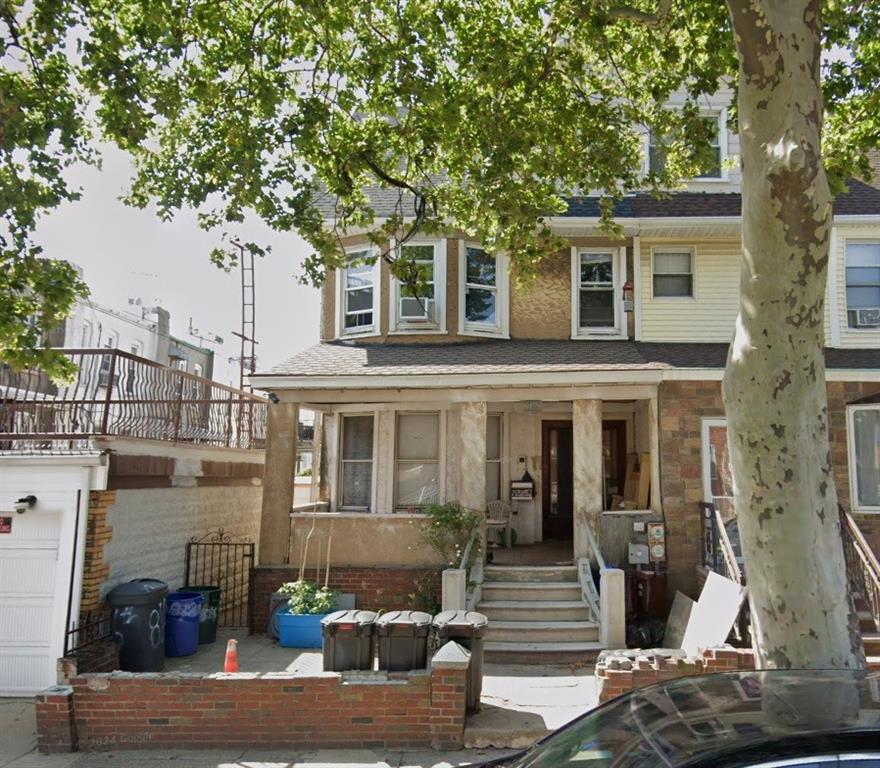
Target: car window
[[861, 760]]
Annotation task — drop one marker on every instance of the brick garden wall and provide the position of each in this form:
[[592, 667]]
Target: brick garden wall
[[683, 405], [276, 710], [615, 676], [375, 588]]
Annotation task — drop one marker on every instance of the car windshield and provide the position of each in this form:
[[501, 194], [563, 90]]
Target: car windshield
[[686, 720]]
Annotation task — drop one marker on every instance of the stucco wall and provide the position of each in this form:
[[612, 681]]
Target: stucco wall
[[360, 540], [541, 308], [152, 525]]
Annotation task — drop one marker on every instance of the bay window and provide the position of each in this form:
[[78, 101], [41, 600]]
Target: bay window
[[356, 463], [419, 307], [483, 296], [357, 295], [417, 475]]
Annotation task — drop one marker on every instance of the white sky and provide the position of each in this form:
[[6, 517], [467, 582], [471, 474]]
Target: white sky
[[129, 253]]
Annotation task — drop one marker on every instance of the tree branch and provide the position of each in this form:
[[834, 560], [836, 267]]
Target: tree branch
[[656, 19]]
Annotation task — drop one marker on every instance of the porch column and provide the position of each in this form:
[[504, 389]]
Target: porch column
[[587, 461], [472, 460], [278, 483]]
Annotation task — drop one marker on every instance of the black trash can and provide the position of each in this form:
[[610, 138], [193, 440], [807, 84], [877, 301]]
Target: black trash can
[[210, 614], [139, 624], [403, 640], [467, 628], [348, 640]]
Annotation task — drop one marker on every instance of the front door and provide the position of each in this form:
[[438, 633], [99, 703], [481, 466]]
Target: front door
[[557, 484]]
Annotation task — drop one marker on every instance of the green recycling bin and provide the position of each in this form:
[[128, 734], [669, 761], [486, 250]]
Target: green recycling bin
[[210, 612]]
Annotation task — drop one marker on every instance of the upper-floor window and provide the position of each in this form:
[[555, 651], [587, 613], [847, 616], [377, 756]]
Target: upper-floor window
[[673, 272], [595, 290], [197, 369], [418, 460], [483, 295], [358, 308], [714, 168], [111, 342], [864, 456], [356, 463], [418, 306], [863, 284]]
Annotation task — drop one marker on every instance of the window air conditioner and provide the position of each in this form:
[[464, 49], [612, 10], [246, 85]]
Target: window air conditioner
[[868, 317]]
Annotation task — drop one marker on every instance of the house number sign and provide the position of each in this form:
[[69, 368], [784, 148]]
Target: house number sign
[[5, 525]]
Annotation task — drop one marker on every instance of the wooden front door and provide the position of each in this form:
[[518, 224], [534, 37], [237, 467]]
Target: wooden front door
[[557, 487]]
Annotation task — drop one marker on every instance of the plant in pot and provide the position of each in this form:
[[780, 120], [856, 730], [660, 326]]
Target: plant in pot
[[299, 624]]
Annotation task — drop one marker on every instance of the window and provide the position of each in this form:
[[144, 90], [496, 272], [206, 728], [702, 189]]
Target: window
[[356, 482], [86, 334], [357, 300], [421, 309], [493, 456], [418, 459], [197, 369], [717, 476], [106, 361], [482, 298], [596, 294], [863, 284], [180, 364], [713, 169], [864, 456], [673, 273]]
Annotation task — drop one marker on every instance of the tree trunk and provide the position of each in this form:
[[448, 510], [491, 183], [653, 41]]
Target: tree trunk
[[774, 384]]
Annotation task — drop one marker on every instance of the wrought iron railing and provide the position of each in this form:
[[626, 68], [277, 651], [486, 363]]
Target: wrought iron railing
[[862, 567], [93, 627], [119, 394]]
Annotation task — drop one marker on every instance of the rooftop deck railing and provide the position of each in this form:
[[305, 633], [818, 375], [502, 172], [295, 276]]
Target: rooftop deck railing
[[122, 395]]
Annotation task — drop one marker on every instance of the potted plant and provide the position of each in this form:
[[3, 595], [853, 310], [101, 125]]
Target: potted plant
[[299, 625]]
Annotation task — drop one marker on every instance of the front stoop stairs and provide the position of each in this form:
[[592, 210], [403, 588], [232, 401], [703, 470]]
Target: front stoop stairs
[[537, 615]]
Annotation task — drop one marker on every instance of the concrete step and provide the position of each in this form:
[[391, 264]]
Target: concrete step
[[871, 641], [534, 592], [867, 625], [529, 610], [873, 663], [543, 653], [542, 631], [530, 573]]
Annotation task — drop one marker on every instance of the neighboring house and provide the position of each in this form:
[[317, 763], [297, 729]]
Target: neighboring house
[[617, 350]]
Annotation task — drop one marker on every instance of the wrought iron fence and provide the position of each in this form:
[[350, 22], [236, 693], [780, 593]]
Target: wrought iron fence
[[218, 559], [93, 627], [120, 394]]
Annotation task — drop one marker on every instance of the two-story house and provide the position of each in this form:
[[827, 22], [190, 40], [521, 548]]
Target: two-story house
[[605, 371]]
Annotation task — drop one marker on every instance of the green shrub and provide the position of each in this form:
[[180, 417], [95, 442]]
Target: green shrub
[[307, 597], [447, 530]]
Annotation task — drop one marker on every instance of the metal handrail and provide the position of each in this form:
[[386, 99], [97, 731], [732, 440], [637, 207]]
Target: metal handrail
[[474, 575], [733, 570], [589, 590], [863, 569]]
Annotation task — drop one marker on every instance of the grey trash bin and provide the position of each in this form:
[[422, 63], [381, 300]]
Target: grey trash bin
[[467, 628], [139, 624], [403, 640], [348, 640]]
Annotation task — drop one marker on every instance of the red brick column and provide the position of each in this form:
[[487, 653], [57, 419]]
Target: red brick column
[[449, 671], [56, 727], [98, 534]]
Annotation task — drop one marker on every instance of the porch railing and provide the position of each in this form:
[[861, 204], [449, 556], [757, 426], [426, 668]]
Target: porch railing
[[589, 590], [718, 553], [119, 394], [862, 567], [607, 600], [473, 573]]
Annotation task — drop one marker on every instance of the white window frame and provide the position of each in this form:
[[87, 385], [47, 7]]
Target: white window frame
[[851, 456], [500, 329], [707, 424], [844, 321], [723, 144], [441, 457], [618, 280], [366, 330], [403, 326], [339, 462], [676, 249]]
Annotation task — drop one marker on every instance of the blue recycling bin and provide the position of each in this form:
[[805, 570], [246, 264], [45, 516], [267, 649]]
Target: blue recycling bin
[[182, 623]]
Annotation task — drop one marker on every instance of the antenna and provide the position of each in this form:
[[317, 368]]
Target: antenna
[[247, 360], [210, 338]]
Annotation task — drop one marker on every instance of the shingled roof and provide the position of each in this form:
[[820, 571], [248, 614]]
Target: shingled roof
[[497, 357], [859, 199]]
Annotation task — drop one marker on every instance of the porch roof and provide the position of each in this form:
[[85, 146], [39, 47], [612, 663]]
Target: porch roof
[[345, 359]]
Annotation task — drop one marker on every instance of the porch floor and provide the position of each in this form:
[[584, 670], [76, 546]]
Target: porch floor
[[541, 553]]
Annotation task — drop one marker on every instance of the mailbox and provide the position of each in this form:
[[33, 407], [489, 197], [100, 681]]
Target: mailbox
[[522, 489]]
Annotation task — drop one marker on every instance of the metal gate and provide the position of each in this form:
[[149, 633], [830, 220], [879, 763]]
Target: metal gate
[[218, 559]]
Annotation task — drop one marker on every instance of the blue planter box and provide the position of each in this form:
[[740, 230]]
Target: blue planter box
[[296, 630]]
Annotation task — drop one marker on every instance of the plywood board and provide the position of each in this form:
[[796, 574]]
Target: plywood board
[[713, 616], [676, 624], [644, 480]]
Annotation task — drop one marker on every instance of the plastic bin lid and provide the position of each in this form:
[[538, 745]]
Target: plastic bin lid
[[460, 619], [417, 618], [137, 591], [350, 617]]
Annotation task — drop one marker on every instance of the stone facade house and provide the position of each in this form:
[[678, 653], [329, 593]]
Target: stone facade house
[[612, 359]]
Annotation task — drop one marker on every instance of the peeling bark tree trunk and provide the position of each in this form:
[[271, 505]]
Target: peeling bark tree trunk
[[774, 384]]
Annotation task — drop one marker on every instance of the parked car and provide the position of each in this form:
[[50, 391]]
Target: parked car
[[778, 719]]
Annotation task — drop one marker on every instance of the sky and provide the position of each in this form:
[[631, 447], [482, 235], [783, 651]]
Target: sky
[[130, 253]]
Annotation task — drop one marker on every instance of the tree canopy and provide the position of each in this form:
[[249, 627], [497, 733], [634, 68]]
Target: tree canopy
[[481, 115]]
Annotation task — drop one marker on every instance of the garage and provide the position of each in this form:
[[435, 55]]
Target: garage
[[41, 551]]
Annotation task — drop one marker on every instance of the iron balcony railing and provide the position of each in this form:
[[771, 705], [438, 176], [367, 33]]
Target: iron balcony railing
[[119, 394]]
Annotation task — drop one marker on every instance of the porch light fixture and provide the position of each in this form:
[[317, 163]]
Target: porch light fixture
[[25, 503]]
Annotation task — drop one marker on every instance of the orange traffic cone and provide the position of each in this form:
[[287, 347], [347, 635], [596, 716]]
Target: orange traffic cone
[[231, 663]]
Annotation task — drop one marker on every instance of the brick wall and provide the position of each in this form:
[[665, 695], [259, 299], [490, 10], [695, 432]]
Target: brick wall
[[375, 588], [358, 710], [683, 406], [615, 676], [98, 534]]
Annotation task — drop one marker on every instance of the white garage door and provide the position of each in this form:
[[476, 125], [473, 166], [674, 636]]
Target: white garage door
[[28, 593]]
